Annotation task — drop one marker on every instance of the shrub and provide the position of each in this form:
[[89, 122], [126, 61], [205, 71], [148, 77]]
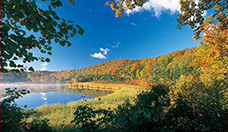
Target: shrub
[[90, 120], [11, 115], [147, 114], [153, 111]]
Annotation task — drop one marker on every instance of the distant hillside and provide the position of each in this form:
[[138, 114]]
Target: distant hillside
[[100, 69], [162, 69], [106, 67], [201, 63], [14, 77]]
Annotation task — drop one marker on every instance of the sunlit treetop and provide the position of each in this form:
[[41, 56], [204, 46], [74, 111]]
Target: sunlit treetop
[[120, 5], [192, 12]]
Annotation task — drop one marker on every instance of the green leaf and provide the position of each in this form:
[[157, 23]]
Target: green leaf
[[42, 51], [30, 54], [63, 20], [49, 53], [15, 58], [64, 31], [49, 41], [49, 48], [35, 29], [31, 69], [55, 23], [62, 43], [68, 44], [56, 40], [72, 34], [70, 27], [12, 64], [74, 31], [59, 26], [55, 16], [80, 30], [47, 60], [29, 27]]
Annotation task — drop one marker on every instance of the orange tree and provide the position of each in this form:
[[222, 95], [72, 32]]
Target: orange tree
[[211, 30]]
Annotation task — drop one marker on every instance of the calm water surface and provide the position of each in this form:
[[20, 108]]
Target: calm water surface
[[41, 94]]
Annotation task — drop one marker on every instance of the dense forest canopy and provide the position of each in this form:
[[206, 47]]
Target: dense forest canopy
[[163, 69]]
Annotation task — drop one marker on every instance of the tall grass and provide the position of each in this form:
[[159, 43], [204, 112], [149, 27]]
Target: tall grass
[[60, 115]]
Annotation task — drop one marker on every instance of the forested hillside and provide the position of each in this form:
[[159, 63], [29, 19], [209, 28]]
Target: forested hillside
[[188, 63], [203, 63], [14, 77], [188, 92], [95, 72]]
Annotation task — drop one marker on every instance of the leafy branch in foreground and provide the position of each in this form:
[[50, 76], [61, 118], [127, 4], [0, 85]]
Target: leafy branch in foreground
[[25, 26]]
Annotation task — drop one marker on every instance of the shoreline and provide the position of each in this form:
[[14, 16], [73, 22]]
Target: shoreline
[[28, 84]]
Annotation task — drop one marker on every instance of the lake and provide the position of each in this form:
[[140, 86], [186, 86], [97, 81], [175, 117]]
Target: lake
[[41, 94]]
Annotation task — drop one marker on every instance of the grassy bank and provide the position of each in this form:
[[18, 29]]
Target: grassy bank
[[61, 115]]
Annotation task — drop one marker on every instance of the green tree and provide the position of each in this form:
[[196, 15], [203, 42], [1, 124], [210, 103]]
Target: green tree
[[26, 26]]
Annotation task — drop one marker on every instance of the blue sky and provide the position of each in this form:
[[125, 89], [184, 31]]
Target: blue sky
[[145, 32]]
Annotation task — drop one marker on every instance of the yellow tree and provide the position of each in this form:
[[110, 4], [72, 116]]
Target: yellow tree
[[212, 53], [211, 30]]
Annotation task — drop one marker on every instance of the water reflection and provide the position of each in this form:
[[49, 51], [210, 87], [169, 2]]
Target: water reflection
[[41, 94], [44, 88]]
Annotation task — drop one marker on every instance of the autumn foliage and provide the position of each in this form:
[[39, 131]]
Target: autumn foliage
[[206, 62]]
